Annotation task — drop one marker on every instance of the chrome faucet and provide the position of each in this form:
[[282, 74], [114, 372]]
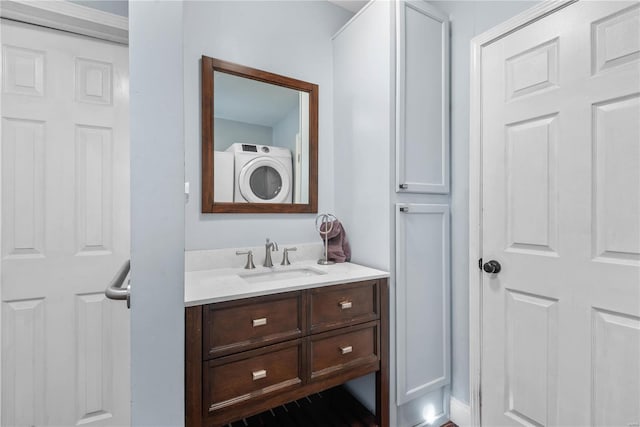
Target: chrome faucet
[[268, 247]]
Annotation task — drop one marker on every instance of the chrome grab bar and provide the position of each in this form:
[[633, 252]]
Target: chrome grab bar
[[116, 289]]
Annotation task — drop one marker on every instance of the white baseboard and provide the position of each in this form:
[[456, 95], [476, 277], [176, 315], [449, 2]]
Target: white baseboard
[[459, 413]]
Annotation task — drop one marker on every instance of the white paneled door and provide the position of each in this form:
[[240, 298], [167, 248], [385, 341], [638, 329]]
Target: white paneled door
[[65, 228], [561, 214]]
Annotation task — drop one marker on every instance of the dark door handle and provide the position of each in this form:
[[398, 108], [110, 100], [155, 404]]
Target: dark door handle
[[492, 266]]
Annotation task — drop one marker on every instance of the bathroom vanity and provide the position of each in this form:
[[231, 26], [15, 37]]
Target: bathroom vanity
[[261, 338]]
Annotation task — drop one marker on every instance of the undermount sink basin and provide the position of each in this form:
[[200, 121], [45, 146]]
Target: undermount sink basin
[[280, 274]]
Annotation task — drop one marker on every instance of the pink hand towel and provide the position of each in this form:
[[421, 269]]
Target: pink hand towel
[[339, 249]]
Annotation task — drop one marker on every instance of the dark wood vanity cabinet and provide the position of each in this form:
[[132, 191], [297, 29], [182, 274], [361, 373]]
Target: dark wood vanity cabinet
[[246, 356]]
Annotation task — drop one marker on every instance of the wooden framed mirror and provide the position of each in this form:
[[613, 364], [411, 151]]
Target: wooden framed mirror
[[259, 141]]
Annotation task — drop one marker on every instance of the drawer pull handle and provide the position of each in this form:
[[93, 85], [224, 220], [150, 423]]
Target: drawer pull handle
[[259, 322], [345, 305], [262, 373], [346, 350]]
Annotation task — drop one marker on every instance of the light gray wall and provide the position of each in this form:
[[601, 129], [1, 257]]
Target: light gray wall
[[117, 7], [468, 19], [284, 132], [292, 38], [227, 132], [363, 134], [157, 214]]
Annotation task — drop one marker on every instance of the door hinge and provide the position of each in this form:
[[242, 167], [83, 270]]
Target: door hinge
[[480, 263]]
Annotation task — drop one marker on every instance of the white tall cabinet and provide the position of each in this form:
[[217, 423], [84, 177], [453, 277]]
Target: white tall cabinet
[[391, 130]]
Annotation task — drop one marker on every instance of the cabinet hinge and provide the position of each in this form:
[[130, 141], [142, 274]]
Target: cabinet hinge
[[480, 263]]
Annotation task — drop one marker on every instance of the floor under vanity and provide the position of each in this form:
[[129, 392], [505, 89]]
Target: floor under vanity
[[331, 408]]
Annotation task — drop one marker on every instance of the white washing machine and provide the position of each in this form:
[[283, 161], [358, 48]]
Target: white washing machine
[[263, 174]]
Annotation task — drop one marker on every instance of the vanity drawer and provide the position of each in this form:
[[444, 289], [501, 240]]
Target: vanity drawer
[[341, 305], [240, 325], [242, 377], [336, 351]]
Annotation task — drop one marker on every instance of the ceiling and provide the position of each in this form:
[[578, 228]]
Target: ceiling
[[121, 7], [251, 101], [351, 5]]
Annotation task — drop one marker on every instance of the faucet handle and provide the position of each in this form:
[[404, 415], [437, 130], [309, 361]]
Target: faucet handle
[[285, 255], [249, 265]]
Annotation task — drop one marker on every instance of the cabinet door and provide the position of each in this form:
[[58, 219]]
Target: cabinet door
[[422, 299], [422, 96]]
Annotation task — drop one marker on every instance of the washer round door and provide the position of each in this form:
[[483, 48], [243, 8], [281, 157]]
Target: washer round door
[[264, 180]]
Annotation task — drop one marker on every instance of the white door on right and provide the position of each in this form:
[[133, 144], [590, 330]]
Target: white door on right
[[561, 214]]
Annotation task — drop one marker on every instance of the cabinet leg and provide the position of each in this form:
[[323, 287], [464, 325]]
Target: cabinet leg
[[382, 376]]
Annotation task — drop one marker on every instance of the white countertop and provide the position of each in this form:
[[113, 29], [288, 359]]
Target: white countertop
[[225, 284]]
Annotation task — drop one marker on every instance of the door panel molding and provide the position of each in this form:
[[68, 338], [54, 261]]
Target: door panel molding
[[23, 181], [625, 49], [95, 358], [610, 367], [531, 327], [24, 341], [615, 230]]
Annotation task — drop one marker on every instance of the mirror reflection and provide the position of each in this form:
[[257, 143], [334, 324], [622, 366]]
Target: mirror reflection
[[261, 141]]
